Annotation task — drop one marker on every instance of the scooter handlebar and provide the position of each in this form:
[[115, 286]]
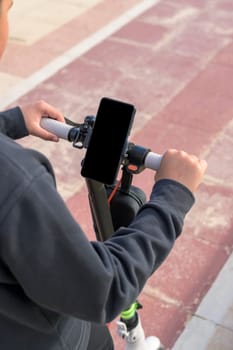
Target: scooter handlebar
[[62, 130], [153, 160], [57, 128]]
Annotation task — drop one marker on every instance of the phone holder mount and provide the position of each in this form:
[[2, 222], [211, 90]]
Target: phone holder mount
[[80, 134]]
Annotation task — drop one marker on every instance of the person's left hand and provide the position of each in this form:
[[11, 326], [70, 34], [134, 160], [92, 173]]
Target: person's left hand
[[34, 112]]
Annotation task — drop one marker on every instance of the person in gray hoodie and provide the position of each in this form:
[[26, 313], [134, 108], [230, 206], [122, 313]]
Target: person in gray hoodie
[[58, 290]]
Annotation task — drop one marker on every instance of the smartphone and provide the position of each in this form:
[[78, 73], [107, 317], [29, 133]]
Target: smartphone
[[108, 140]]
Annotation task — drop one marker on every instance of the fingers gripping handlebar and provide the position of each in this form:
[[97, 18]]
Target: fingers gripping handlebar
[[71, 133]]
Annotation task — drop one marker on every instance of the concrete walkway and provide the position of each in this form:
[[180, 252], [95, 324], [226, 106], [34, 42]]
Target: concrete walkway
[[173, 59]]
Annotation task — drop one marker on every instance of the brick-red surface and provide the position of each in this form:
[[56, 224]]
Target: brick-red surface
[[174, 62]]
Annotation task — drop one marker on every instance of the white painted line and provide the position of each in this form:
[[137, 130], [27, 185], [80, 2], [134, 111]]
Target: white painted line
[[54, 66]]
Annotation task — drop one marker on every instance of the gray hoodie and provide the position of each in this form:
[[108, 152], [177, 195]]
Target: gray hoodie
[[53, 280]]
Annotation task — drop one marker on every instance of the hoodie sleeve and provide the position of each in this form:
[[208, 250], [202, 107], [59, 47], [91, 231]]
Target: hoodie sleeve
[[12, 123], [59, 269]]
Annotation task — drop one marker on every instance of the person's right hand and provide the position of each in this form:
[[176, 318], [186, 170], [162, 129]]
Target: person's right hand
[[182, 167]]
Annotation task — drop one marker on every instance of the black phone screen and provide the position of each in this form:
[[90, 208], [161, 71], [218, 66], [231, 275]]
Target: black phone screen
[[108, 140]]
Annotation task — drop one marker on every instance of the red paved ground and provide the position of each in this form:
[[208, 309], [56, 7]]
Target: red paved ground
[[175, 63]]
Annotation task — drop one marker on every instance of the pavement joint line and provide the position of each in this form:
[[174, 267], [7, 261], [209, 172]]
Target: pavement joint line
[[215, 181], [156, 293], [76, 51]]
